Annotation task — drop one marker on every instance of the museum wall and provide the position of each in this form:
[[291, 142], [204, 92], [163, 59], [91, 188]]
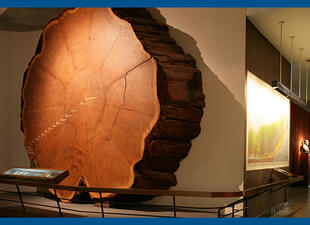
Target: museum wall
[[216, 39], [262, 59], [16, 49], [5, 102]]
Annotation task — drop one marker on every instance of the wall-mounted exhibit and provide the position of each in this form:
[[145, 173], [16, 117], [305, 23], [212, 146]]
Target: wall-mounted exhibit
[[268, 119], [110, 97]]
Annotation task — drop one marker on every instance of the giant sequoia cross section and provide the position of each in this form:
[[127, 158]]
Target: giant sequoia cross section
[[94, 102]]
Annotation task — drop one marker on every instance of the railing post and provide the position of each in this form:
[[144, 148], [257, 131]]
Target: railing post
[[245, 207], [57, 199], [233, 211], [101, 204], [20, 198], [219, 212], [174, 206]]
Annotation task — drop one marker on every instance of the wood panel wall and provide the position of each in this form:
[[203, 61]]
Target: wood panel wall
[[300, 130], [263, 60]]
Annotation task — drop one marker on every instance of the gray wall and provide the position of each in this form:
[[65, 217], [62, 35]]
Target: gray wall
[[16, 50], [215, 37]]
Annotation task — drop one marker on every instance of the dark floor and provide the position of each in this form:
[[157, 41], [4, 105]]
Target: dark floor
[[298, 205]]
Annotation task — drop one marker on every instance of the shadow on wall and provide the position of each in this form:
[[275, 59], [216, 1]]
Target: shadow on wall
[[216, 159], [5, 116], [17, 49]]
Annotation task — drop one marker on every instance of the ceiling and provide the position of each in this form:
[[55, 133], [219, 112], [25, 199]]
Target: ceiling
[[296, 20]]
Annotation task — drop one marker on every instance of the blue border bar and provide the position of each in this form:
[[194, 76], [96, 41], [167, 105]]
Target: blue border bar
[[155, 221], [154, 3]]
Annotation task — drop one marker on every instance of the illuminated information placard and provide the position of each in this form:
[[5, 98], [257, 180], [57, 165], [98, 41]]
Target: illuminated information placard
[[32, 174]]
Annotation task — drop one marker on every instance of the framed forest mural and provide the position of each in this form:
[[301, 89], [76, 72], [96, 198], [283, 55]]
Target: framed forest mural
[[268, 119]]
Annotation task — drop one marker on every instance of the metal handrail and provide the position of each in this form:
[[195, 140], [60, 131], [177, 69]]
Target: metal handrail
[[132, 191], [246, 194], [254, 192]]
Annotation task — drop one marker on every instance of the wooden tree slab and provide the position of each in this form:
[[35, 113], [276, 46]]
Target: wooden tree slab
[[110, 97]]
